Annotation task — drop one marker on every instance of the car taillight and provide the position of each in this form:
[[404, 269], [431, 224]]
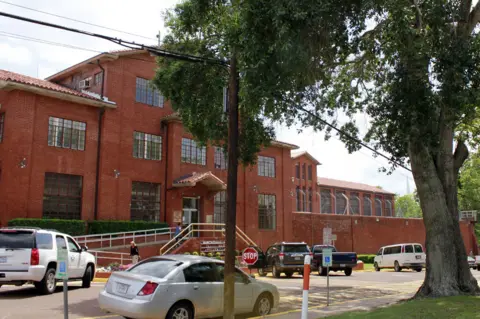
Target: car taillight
[[148, 289], [35, 257], [281, 255]]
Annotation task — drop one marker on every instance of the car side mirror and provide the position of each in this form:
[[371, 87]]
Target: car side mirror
[[84, 248]]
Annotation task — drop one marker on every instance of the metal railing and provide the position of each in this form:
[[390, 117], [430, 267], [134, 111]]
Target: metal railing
[[196, 228], [120, 257], [110, 240]]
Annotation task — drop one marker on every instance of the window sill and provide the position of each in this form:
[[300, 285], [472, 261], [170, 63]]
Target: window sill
[[149, 105]]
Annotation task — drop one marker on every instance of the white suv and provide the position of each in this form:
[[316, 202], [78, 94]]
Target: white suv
[[29, 255]]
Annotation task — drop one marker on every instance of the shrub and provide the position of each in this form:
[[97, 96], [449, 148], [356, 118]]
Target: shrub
[[195, 253], [187, 253], [70, 227], [210, 255], [202, 254], [117, 226], [218, 254], [367, 259], [238, 253]]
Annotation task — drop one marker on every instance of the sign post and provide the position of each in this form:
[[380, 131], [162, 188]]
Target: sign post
[[62, 273], [327, 262], [327, 236]]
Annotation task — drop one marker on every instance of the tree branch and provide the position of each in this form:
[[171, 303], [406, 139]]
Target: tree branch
[[419, 23], [474, 18], [460, 155]]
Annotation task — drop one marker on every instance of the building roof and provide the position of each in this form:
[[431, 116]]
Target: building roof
[[11, 81], [206, 178], [322, 181], [297, 154], [102, 57]]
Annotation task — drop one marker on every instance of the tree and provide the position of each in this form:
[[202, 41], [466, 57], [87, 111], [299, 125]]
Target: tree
[[406, 206], [469, 184]]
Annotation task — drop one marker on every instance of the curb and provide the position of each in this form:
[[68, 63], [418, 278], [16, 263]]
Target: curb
[[102, 280]]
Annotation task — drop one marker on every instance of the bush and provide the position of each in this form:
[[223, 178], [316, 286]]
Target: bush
[[238, 253], [70, 227], [195, 253], [367, 259], [187, 253], [210, 255], [117, 226], [202, 254], [218, 254]]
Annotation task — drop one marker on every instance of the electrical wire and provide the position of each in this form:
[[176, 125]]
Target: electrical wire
[[71, 19]]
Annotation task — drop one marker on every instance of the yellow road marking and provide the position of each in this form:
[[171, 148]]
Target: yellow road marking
[[101, 317]]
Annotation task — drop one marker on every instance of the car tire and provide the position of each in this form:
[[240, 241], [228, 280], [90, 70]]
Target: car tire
[[180, 310], [396, 267], [322, 271], [87, 278], [262, 272], [275, 272], [48, 285], [375, 265], [289, 274], [263, 306], [348, 271], [418, 269]]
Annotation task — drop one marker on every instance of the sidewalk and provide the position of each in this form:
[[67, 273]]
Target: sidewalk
[[341, 307]]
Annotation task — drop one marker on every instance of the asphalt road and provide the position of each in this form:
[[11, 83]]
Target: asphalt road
[[24, 302]]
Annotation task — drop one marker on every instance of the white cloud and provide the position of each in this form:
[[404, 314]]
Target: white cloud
[[10, 54]]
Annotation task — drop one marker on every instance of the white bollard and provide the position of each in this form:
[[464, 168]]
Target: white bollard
[[306, 286]]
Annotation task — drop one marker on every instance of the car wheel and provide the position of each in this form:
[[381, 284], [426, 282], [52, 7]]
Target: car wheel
[[262, 272], [48, 284], [289, 274], [180, 310], [376, 267], [397, 267], [418, 269], [263, 306], [275, 272], [348, 271], [87, 278]]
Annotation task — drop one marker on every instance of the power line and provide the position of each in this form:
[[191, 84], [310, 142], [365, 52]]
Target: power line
[[356, 140], [79, 21], [128, 44]]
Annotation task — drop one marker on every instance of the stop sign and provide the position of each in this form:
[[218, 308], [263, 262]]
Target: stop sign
[[250, 256]]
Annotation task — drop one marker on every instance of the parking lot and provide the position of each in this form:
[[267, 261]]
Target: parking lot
[[23, 302]]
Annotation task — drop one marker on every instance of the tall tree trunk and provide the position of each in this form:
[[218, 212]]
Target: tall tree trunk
[[447, 271]]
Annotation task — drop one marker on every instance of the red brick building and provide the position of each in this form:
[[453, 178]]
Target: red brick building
[[95, 141]]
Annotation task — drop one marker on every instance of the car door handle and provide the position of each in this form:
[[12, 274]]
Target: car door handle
[[195, 287]]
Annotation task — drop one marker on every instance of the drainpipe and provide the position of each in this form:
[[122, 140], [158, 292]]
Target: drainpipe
[[165, 125], [101, 112]]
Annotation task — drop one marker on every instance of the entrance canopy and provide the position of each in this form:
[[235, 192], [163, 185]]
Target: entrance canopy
[[212, 182]]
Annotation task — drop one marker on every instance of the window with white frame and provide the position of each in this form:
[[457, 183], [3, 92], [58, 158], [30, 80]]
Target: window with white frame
[[325, 198], [354, 203], [266, 166], [266, 212], [220, 158], [367, 205], [66, 133], [147, 146], [193, 153], [220, 207], [340, 203], [148, 94]]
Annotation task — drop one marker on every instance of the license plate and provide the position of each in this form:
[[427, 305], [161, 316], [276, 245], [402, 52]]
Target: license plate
[[418, 257], [342, 265], [3, 260], [298, 258], [122, 289]]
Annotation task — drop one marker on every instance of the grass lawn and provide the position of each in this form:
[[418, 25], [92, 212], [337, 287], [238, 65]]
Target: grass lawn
[[452, 307], [368, 267]]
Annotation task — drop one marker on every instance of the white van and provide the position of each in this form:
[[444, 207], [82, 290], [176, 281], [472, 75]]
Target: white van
[[410, 256]]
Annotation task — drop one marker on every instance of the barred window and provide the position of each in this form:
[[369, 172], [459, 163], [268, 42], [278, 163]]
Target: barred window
[[98, 78], [297, 170], [299, 197], [340, 203], [378, 206], [388, 208], [145, 202], [2, 121], [192, 153], [354, 204], [148, 94], [266, 212], [66, 133], [147, 146], [326, 200], [220, 207], [310, 170], [367, 205], [62, 196], [266, 166], [303, 171], [220, 158], [309, 200]]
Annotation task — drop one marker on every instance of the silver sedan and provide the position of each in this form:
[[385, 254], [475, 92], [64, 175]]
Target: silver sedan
[[182, 287]]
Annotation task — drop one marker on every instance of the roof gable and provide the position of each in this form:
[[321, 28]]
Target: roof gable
[[306, 154]]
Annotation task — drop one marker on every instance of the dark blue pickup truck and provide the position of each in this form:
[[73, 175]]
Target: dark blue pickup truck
[[340, 261]]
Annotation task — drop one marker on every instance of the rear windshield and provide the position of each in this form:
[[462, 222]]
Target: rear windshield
[[17, 239], [418, 249], [156, 267], [319, 249], [295, 249]]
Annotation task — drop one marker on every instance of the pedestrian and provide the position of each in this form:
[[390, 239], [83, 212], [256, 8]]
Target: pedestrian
[[178, 229], [134, 252]]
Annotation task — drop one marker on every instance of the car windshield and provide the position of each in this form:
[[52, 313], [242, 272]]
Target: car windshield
[[295, 249], [17, 239], [155, 267]]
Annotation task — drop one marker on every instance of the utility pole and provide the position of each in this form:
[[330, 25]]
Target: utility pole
[[231, 220]]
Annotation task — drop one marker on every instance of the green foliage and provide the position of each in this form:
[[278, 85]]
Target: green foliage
[[210, 255], [237, 252], [367, 259], [202, 254], [407, 206], [469, 184], [195, 253], [70, 227], [117, 226], [187, 253]]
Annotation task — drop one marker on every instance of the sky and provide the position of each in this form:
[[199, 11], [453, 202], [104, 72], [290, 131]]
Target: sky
[[142, 24]]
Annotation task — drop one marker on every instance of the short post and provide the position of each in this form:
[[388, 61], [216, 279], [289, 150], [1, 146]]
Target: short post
[[306, 286], [65, 298], [328, 286]]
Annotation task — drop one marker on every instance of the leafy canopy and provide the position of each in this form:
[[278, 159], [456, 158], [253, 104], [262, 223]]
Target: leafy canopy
[[407, 206], [469, 184]]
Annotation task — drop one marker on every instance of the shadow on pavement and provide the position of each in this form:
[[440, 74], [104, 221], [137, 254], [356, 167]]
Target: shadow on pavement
[[27, 292], [84, 308]]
